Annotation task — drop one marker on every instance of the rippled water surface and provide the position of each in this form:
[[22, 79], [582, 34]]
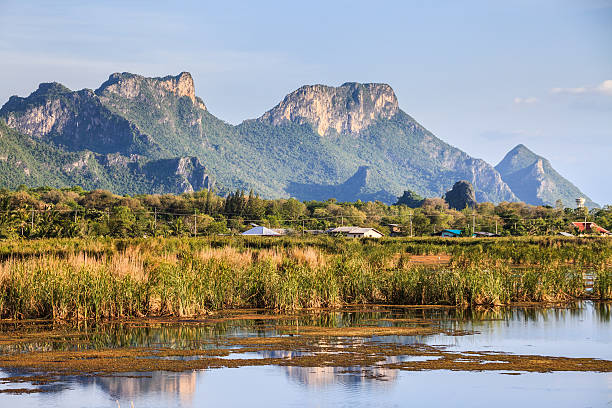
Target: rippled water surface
[[577, 330]]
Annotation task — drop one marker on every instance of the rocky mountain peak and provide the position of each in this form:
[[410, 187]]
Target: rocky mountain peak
[[50, 88], [132, 86], [533, 179], [348, 108], [517, 158]]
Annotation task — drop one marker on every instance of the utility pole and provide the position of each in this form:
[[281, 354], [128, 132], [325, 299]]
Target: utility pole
[[473, 222], [195, 223], [495, 227], [155, 221], [411, 224], [32, 222], [302, 227], [75, 215], [342, 220]]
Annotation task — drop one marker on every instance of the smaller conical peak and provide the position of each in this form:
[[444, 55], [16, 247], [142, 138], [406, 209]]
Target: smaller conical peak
[[348, 108], [129, 86], [520, 148], [516, 159]]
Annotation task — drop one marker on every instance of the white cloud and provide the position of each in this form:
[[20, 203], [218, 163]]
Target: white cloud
[[530, 100], [604, 88]]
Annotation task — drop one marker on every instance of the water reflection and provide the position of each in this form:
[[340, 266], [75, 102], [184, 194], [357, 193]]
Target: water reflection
[[323, 376], [129, 388], [577, 330], [203, 334]]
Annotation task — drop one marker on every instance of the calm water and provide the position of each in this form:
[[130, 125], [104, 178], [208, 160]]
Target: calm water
[[580, 330]]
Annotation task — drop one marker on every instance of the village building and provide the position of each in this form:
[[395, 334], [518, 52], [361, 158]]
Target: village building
[[484, 234], [396, 230], [261, 232], [590, 228], [355, 232], [450, 233]]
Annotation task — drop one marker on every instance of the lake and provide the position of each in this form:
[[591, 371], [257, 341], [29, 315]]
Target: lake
[[356, 357]]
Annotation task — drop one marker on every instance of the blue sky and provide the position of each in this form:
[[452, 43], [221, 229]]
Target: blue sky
[[482, 75]]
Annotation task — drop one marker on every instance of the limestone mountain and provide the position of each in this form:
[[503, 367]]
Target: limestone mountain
[[461, 196], [29, 161], [349, 142], [354, 188], [320, 135], [348, 108], [74, 120], [533, 179]]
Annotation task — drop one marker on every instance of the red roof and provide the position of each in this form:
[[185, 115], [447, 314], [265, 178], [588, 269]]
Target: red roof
[[590, 227]]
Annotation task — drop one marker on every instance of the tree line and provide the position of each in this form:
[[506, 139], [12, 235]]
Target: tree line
[[73, 212]]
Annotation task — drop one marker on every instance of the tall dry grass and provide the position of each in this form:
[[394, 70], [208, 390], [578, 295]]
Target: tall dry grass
[[119, 278]]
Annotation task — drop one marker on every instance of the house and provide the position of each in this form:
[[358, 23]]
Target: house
[[396, 229], [365, 233], [590, 228], [452, 233], [355, 232], [261, 232], [484, 234]]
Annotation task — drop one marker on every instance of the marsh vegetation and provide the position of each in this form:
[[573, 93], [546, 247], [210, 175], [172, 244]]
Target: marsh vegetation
[[75, 279]]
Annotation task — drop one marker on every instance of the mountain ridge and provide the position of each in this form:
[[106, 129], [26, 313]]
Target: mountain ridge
[[318, 135]]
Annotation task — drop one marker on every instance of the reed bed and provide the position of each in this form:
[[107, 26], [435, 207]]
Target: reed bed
[[104, 279]]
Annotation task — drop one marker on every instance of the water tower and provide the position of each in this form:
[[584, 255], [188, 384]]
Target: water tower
[[580, 202]]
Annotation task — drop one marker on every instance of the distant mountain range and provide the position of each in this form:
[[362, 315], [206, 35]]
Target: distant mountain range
[[154, 135]]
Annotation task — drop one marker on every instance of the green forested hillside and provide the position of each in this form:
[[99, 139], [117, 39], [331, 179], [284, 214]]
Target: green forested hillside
[[138, 134], [27, 161]]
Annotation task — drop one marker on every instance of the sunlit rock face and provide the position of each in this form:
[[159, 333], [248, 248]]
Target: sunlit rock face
[[131, 86], [348, 108], [76, 120]]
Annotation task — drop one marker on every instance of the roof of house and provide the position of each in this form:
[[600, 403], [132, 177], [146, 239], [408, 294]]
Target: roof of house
[[565, 234], [590, 226], [340, 229], [363, 230], [351, 230], [262, 231], [452, 231], [485, 234]]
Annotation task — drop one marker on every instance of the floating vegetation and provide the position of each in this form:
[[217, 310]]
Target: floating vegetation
[[44, 355]]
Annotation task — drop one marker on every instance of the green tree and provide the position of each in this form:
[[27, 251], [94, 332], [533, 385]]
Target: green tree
[[122, 222]]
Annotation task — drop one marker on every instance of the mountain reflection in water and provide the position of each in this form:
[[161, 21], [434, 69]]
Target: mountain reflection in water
[[182, 385], [575, 330]]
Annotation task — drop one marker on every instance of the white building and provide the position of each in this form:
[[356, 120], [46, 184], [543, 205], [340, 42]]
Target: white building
[[356, 232], [261, 232]]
